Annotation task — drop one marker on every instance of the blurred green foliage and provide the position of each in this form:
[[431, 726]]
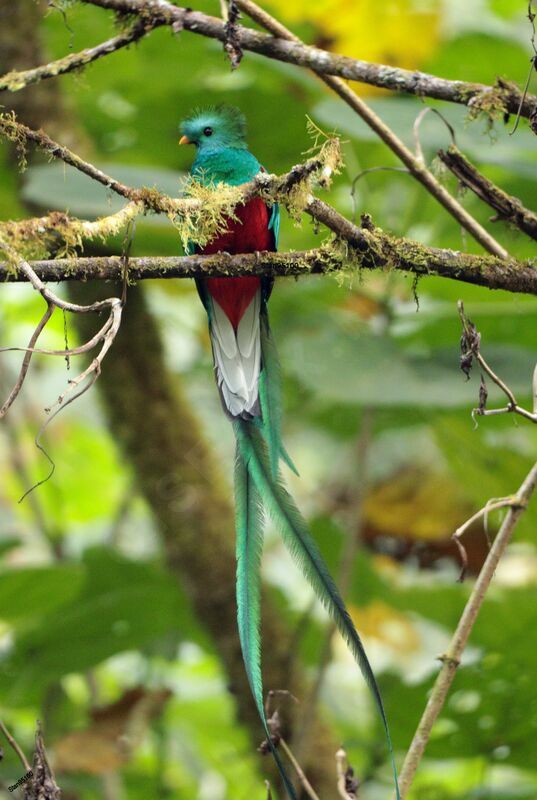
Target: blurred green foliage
[[84, 596]]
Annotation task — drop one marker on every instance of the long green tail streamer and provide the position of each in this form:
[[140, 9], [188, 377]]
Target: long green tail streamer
[[249, 544], [279, 504]]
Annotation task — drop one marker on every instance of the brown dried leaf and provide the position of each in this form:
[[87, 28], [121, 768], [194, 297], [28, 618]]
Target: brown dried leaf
[[107, 744]]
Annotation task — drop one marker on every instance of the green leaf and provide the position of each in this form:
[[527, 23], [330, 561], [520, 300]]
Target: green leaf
[[32, 592], [363, 369], [123, 605]]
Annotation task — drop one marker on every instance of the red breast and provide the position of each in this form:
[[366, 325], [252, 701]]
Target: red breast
[[246, 234]]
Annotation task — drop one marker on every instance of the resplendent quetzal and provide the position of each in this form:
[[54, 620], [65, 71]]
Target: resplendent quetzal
[[248, 378]]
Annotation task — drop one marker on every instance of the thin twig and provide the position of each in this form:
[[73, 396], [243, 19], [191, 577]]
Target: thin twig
[[274, 725], [491, 505], [106, 335], [365, 172], [472, 340], [30, 350], [421, 84], [14, 745], [416, 130], [308, 788], [452, 658]]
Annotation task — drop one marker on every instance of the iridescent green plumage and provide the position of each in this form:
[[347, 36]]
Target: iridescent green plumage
[[280, 506], [249, 546]]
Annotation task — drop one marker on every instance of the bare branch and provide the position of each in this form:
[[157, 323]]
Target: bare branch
[[274, 725], [490, 505], [503, 97], [452, 658], [106, 335], [30, 350], [306, 785], [507, 207]]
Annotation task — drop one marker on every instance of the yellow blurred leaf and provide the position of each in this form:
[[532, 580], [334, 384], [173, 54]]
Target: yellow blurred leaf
[[417, 505], [397, 32]]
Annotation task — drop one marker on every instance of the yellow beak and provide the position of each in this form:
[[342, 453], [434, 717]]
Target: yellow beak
[[184, 140]]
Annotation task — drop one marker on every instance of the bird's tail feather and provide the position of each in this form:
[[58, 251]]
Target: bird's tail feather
[[279, 504], [270, 394], [249, 544]]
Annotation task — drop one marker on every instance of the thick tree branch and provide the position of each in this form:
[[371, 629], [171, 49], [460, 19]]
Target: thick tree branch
[[508, 208], [369, 250], [452, 658], [503, 97], [369, 246]]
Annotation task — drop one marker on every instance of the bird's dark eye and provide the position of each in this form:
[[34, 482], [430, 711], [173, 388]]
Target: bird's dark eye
[[207, 131]]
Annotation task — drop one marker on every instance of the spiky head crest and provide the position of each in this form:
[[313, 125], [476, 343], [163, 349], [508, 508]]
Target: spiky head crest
[[220, 126]]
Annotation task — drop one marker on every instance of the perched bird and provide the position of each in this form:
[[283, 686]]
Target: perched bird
[[248, 378]]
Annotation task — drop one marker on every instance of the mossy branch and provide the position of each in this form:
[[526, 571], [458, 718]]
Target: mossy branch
[[16, 80], [370, 249], [61, 234], [206, 210], [181, 18]]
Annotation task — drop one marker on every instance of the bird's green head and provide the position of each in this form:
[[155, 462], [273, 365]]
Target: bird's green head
[[212, 128]]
